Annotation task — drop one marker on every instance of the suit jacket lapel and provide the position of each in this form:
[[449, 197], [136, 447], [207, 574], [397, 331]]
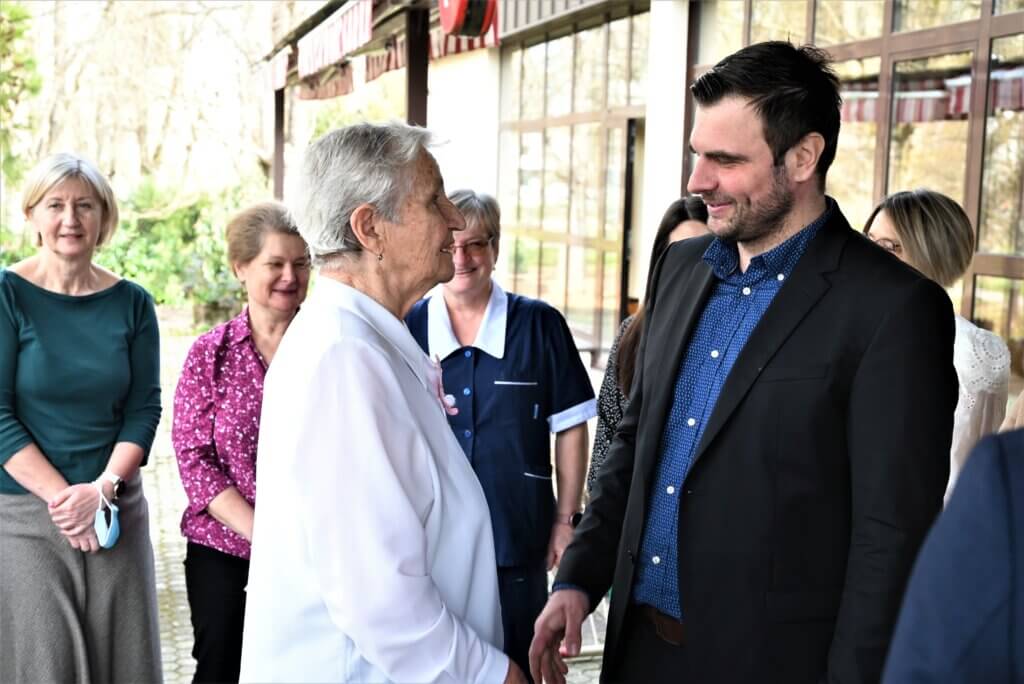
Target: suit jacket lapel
[[804, 288]]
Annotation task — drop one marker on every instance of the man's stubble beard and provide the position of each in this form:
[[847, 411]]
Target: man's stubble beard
[[757, 222]]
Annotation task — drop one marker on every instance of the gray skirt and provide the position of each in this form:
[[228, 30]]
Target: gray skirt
[[69, 616]]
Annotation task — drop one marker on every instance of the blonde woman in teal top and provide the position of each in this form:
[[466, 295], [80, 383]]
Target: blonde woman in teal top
[[79, 406]]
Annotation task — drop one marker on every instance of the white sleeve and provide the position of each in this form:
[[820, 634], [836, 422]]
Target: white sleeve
[[370, 490]]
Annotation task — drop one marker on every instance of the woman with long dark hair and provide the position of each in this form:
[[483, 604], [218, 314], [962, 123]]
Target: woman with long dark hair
[[685, 218]]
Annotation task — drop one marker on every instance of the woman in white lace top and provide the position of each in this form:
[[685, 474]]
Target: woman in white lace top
[[932, 233]]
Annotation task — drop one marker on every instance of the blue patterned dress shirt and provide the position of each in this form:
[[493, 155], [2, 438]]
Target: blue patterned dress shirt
[[736, 305]]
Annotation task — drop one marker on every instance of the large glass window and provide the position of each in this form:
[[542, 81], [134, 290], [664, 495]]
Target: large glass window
[[842, 21], [559, 62], [778, 20], [531, 180], [851, 177], [638, 58], [587, 180], [532, 98], [999, 307], [561, 181], [1004, 6], [590, 70], [1002, 189], [912, 15], [928, 125], [721, 29], [556, 180], [618, 62]]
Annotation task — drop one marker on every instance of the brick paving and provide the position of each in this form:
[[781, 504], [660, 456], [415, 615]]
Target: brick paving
[[166, 502]]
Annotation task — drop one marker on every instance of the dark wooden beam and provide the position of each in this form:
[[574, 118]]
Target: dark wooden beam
[[279, 144], [417, 50]]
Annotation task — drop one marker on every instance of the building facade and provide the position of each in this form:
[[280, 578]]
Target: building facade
[[580, 112]]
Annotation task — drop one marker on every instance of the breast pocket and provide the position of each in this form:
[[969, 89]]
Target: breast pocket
[[793, 373], [519, 401]]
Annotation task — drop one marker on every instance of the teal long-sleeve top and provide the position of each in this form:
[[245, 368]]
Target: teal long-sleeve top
[[78, 374]]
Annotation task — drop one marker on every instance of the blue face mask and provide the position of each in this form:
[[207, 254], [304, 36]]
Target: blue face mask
[[107, 533]]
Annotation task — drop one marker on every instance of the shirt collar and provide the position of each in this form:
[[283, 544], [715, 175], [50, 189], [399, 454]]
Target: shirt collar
[[332, 293], [239, 329], [490, 338], [724, 258]]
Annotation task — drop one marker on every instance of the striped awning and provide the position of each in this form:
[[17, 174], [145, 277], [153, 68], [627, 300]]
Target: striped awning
[[933, 99], [348, 29], [441, 45]]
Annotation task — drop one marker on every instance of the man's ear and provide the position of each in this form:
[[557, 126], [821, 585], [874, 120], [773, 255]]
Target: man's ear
[[802, 158], [366, 226]]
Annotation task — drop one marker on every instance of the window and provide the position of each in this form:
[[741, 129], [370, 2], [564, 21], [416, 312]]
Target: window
[[913, 15], [842, 21], [851, 176], [562, 167], [999, 307], [778, 20], [928, 124], [1002, 189]]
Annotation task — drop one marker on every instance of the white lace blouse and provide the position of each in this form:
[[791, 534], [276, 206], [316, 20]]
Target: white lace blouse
[[982, 363]]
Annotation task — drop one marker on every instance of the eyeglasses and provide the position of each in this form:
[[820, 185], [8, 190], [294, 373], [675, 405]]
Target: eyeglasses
[[474, 248], [888, 245]]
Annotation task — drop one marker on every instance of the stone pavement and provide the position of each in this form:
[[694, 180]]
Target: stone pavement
[[166, 503]]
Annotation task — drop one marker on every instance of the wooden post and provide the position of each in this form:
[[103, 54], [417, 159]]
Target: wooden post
[[417, 47]]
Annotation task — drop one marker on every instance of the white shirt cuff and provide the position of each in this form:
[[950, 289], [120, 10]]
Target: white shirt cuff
[[573, 416]]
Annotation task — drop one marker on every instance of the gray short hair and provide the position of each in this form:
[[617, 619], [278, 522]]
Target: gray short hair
[[359, 164], [478, 207]]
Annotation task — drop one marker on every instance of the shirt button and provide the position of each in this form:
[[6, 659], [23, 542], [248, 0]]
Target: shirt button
[[467, 353], [781, 277], [467, 434], [689, 421], [656, 560], [746, 290], [465, 391], [714, 353], [670, 489]]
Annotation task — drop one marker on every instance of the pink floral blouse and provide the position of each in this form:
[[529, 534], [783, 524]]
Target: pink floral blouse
[[216, 428]]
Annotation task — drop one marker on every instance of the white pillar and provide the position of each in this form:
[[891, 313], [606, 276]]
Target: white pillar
[[664, 143]]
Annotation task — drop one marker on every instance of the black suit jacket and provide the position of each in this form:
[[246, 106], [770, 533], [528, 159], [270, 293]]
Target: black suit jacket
[[820, 470]]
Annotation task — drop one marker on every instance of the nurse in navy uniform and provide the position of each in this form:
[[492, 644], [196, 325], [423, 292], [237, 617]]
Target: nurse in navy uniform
[[513, 376]]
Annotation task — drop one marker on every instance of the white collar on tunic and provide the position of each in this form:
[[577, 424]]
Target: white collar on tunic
[[337, 294], [490, 337]]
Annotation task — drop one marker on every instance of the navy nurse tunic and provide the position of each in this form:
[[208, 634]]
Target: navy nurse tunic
[[520, 381]]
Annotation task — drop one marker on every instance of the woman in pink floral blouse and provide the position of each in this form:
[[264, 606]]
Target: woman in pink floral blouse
[[216, 428]]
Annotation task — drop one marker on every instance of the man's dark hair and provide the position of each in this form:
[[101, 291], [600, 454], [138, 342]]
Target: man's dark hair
[[793, 90]]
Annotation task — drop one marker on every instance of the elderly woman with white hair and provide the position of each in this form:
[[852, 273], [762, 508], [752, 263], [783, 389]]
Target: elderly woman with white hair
[[79, 406], [372, 552]]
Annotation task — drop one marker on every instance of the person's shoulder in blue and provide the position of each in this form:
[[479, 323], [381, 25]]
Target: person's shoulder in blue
[[963, 613]]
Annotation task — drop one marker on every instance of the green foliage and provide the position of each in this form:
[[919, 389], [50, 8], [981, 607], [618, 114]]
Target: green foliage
[[18, 80], [14, 246], [175, 248]]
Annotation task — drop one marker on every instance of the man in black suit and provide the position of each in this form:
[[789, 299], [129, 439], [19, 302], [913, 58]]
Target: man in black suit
[[786, 445]]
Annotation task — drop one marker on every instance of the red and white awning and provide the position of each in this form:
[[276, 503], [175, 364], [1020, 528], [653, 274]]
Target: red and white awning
[[441, 45], [348, 29], [934, 99]]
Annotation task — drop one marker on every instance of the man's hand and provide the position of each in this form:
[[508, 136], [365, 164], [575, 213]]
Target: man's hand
[[560, 623], [73, 510], [561, 535]]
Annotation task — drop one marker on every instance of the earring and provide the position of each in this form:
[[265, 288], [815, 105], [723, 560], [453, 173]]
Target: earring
[[380, 257]]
